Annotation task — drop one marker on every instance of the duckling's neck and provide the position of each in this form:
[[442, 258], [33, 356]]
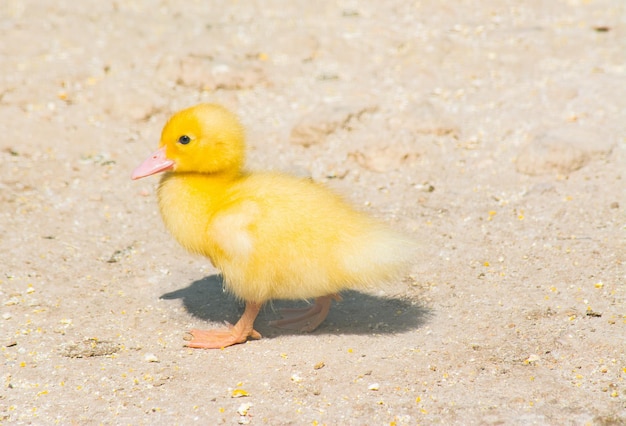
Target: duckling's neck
[[220, 177], [188, 201]]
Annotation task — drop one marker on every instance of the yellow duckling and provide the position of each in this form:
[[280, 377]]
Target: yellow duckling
[[272, 236]]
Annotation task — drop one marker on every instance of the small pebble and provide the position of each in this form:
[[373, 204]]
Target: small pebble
[[150, 357], [374, 386], [243, 409], [532, 359], [12, 301]]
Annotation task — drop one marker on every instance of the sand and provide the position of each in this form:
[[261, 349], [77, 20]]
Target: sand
[[492, 132]]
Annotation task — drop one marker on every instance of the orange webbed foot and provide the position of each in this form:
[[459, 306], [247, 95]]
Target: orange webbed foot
[[217, 339], [238, 333], [306, 319]]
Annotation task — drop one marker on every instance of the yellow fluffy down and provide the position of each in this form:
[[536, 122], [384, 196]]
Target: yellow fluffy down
[[274, 236], [271, 235]]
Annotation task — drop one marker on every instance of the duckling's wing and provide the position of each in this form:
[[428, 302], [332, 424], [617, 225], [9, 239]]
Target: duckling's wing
[[230, 230]]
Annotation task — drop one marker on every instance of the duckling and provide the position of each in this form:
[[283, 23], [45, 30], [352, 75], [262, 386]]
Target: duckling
[[272, 235]]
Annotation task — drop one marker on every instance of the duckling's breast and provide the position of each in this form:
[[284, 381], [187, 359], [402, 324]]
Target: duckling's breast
[[187, 204]]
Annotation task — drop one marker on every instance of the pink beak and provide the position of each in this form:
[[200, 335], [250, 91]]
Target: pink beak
[[156, 163]]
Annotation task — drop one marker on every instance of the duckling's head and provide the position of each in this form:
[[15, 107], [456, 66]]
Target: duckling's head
[[205, 138]]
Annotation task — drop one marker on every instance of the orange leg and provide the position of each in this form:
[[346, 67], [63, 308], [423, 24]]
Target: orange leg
[[306, 319], [238, 333]]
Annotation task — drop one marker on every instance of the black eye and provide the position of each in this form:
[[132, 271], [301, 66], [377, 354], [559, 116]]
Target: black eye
[[184, 139]]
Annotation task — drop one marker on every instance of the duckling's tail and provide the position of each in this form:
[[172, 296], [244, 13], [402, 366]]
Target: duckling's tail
[[379, 255]]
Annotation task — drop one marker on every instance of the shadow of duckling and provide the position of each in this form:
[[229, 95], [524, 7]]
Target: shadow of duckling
[[356, 313]]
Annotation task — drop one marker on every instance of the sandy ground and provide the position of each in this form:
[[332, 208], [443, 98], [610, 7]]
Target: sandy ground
[[493, 132]]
